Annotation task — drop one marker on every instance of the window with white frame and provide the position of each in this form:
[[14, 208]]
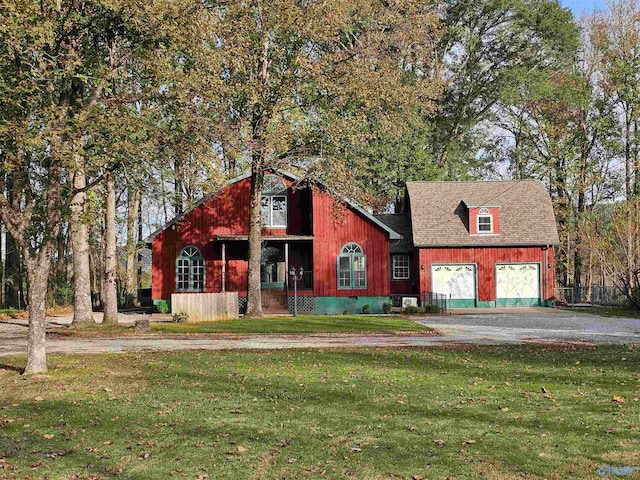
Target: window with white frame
[[190, 270], [274, 202], [352, 267], [274, 211], [485, 221], [400, 267]]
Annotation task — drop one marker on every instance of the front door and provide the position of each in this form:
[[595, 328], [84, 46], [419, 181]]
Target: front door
[[272, 267]]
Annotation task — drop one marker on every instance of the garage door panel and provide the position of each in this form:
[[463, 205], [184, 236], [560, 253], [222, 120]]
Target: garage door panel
[[518, 284], [455, 281]]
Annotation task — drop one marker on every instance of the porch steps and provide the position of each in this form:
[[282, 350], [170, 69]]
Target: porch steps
[[274, 302]]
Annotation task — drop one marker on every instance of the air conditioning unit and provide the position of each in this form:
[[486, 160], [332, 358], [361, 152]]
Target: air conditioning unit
[[409, 302]]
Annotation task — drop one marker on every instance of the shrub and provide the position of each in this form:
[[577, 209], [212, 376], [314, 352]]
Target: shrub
[[431, 308], [366, 308], [345, 312], [386, 307], [410, 310], [162, 306], [181, 317]]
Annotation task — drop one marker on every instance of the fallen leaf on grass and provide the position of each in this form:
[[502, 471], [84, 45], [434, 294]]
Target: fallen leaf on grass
[[468, 442], [504, 409], [48, 436], [439, 443], [617, 399]]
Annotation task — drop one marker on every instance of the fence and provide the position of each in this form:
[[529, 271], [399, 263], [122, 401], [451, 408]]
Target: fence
[[206, 306], [594, 295]]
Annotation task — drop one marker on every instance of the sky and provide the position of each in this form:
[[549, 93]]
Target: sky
[[578, 7]]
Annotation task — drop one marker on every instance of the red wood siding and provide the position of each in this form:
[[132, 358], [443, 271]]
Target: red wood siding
[[330, 235], [405, 286], [401, 286], [486, 258], [227, 213]]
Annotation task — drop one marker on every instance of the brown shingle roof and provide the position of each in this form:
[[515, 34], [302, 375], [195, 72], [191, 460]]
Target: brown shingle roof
[[439, 215], [400, 223]]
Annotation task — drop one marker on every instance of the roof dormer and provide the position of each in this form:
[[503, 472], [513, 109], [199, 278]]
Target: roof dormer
[[483, 219]]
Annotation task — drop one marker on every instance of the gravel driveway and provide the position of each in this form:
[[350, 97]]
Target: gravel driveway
[[514, 326], [537, 324]]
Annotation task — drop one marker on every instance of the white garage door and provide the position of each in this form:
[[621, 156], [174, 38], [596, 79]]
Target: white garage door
[[517, 284], [457, 281]]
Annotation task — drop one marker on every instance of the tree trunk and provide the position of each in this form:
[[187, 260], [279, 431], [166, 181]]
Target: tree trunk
[[254, 293], [131, 284], [110, 261], [38, 267], [178, 187], [1, 267], [82, 307], [13, 273]]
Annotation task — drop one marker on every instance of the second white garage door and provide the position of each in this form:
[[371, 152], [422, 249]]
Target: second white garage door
[[457, 281], [517, 284]]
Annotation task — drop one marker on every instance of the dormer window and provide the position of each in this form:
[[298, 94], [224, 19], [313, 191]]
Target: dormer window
[[485, 221], [274, 202]]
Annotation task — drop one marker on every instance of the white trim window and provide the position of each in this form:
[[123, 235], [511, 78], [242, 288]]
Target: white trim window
[[400, 267], [274, 202], [274, 211], [484, 221]]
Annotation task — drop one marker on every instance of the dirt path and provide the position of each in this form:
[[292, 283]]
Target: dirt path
[[485, 329]]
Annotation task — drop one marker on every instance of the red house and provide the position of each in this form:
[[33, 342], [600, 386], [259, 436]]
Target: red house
[[344, 254], [482, 244]]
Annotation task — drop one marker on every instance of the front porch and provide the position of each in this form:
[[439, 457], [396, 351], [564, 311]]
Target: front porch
[[279, 254]]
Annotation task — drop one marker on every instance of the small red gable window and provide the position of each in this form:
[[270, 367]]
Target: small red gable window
[[484, 221]]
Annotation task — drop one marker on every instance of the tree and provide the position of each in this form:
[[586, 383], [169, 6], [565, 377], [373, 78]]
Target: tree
[[54, 73], [491, 48], [301, 81], [615, 36]]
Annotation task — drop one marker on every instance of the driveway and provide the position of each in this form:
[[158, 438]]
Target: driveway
[[490, 327], [535, 325]]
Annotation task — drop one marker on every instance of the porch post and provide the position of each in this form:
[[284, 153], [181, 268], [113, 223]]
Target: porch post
[[286, 264], [224, 266]]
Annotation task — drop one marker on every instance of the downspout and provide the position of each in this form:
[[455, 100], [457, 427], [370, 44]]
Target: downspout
[[546, 273], [224, 267]]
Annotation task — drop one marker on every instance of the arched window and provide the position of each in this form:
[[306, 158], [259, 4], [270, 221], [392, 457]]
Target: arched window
[[485, 221], [190, 270], [352, 267]]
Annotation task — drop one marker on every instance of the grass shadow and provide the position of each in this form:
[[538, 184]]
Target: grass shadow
[[11, 368]]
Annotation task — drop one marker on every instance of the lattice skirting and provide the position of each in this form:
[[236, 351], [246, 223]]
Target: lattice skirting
[[305, 303], [242, 305]]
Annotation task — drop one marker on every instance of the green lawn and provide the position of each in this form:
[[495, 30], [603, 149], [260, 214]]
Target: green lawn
[[493, 412], [265, 325], [298, 325]]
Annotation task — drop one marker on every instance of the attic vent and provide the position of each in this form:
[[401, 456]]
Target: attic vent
[[483, 211]]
